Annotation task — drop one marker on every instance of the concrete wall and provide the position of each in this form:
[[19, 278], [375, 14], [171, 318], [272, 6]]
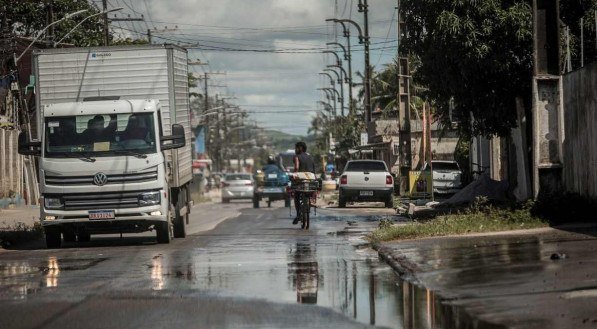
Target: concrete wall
[[580, 124]]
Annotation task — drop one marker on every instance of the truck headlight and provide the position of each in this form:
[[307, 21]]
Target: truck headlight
[[53, 203], [149, 198]]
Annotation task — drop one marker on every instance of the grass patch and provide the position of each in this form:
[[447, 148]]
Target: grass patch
[[19, 233], [477, 219]]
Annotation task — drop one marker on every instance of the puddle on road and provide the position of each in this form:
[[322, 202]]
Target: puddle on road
[[22, 278], [335, 275]]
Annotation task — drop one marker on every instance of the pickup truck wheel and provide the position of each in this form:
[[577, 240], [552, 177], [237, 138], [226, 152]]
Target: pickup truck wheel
[[341, 202], [390, 202], [180, 219], [52, 237], [163, 232]]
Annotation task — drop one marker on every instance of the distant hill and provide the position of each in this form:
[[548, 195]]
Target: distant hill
[[282, 141]]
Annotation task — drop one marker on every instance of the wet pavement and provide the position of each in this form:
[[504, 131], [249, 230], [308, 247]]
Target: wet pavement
[[542, 278], [254, 269]]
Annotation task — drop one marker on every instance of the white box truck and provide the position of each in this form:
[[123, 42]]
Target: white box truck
[[113, 140]]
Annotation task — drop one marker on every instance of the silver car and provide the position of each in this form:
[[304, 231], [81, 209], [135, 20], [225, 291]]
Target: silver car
[[237, 186]]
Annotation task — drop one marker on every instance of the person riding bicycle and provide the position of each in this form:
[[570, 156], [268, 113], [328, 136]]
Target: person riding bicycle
[[303, 162]]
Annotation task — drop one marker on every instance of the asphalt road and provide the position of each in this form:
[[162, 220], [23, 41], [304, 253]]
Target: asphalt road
[[241, 268]]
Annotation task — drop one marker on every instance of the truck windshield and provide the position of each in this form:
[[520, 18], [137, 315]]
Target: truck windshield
[[100, 135]]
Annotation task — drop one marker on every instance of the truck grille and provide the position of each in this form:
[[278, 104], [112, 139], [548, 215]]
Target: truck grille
[[91, 201], [138, 177]]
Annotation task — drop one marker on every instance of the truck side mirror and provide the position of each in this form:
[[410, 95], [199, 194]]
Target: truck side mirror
[[176, 140], [27, 147]]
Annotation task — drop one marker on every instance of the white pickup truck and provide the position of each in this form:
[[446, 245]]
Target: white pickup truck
[[447, 176], [366, 180]]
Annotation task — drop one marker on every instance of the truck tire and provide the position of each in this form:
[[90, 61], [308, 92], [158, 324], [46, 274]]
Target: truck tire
[[83, 236], [390, 202], [255, 202], [180, 219], [341, 201], [162, 232], [53, 239], [68, 235]]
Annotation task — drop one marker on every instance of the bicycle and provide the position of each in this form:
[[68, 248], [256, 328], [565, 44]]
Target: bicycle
[[304, 191]]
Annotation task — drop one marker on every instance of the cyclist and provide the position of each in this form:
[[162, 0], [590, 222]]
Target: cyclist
[[303, 162]]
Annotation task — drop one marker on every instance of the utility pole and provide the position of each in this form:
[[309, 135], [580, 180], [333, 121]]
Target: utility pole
[[50, 20], [149, 36], [364, 8], [107, 22], [403, 106], [106, 26]]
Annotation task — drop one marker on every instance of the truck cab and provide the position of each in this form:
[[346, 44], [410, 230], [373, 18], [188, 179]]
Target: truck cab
[[102, 169]]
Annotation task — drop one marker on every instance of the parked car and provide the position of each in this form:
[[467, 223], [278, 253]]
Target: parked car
[[366, 180], [237, 186], [447, 176]]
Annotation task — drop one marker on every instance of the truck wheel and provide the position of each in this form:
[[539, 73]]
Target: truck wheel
[[255, 202], [52, 237], [341, 202], [390, 202], [287, 202], [180, 219], [69, 235], [162, 232]]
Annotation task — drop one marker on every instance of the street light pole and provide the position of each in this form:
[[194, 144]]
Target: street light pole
[[341, 82], [331, 77], [81, 22], [67, 16], [364, 39], [364, 8], [333, 97]]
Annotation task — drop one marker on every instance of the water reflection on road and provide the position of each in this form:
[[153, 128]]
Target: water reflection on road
[[309, 271]]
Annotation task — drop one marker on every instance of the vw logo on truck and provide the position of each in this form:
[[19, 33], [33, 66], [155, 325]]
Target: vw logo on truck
[[100, 179]]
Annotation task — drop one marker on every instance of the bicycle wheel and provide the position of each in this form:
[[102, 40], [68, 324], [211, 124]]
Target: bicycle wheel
[[304, 211]]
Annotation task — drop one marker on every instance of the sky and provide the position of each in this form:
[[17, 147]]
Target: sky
[[265, 53]]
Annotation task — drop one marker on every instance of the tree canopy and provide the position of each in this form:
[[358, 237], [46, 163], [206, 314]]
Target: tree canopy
[[475, 54], [27, 18]]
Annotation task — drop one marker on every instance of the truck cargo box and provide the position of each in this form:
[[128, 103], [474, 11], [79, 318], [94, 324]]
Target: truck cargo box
[[128, 72]]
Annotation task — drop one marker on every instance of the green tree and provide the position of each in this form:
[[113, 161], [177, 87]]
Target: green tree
[[27, 18], [476, 53]]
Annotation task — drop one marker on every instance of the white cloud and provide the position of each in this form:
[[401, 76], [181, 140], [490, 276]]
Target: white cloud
[[268, 79]]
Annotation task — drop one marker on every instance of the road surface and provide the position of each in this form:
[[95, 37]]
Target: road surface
[[242, 267]]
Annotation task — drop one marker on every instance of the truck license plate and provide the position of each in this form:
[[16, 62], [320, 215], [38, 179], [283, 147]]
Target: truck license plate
[[101, 214], [366, 193]]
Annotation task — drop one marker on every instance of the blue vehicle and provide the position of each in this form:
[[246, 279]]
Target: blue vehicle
[[272, 186]]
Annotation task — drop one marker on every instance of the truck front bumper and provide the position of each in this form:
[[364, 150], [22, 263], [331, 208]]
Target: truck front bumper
[[130, 219]]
